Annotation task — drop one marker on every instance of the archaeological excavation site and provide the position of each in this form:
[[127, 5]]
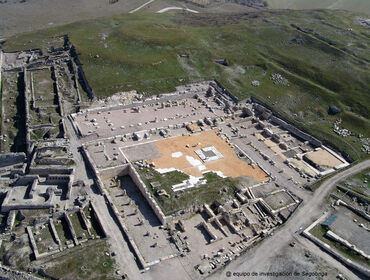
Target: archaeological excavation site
[[194, 183], [191, 178]]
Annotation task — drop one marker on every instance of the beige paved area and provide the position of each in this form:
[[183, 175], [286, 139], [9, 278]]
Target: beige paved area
[[278, 200], [106, 154], [143, 117], [305, 167], [323, 158], [230, 165], [269, 143]]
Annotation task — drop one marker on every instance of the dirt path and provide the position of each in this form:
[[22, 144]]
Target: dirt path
[[18, 16], [176, 8], [140, 7]]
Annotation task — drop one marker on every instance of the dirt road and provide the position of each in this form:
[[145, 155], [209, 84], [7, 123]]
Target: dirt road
[[176, 8], [142, 6]]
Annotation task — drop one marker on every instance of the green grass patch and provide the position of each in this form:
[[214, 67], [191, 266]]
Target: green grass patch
[[319, 232], [77, 226], [321, 53], [88, 262], [216, 189], [363, 177]]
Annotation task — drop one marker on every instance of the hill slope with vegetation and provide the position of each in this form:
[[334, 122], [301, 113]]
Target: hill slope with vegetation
[[361, 6], [304, 61]]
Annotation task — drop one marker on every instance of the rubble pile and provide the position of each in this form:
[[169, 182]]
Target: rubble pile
[[341, 131], [365, 145], [255, 83], [279, 80]]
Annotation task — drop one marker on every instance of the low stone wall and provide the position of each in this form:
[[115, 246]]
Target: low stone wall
[[90, 164], [213, 236], [329, 250], [294, 130], [71, 229], [347, 244], [25, 180], [10, 221], [12, 158], [86, 222], [225, 91], [291, 128], [74, 125], [8, 273], [54, 231], [57, 92], [125, 232], [148, 196], [355, 210], [113, 171], [7, 206], [33, 243], [81, 73], [47, 171], [98, 218], [26, 113]]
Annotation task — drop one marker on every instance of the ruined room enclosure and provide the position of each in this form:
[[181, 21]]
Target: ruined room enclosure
[[207, 235], [38, 192], [343, 232], [42, 84], [39, 234], [12, 121], [205, 185]]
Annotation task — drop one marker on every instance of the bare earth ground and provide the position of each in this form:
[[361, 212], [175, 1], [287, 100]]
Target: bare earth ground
[[230, 165], [16, 17], [323, 157]]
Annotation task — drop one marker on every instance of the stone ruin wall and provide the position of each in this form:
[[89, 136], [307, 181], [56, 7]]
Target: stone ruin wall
[[276, 118], [123, 170], [81, 73], [296, 131], [144, 191], [26, 113], [12, 158], [20, 206], [325, 247], [51, 170]]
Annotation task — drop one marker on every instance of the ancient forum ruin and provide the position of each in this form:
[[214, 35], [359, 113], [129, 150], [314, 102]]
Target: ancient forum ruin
[[195, 174]]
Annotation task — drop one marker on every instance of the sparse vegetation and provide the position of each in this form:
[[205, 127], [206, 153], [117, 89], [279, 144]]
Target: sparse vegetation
[[215, 189], [319, 232], [90, 262], [320, 53]]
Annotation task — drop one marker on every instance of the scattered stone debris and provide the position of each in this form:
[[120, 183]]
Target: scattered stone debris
[[363, 22], [255, 83], [365, 145], [341, 131], [279, 79]]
